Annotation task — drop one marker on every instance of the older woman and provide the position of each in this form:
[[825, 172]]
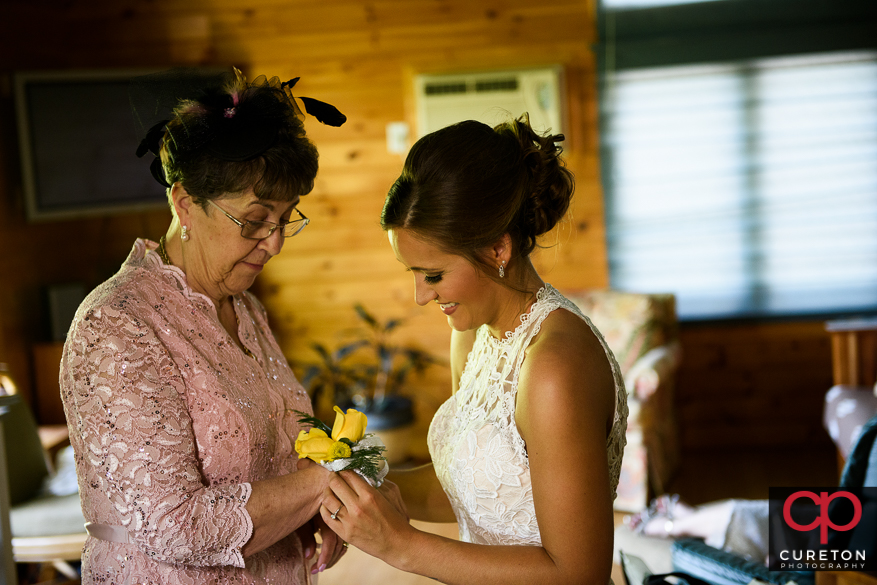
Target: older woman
[[179, 400]]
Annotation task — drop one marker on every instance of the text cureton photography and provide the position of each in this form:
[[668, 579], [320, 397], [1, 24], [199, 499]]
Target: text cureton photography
[[823, 529]]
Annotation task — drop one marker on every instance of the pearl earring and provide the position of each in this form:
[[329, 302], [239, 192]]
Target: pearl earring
[[502, 269], [185, 235]]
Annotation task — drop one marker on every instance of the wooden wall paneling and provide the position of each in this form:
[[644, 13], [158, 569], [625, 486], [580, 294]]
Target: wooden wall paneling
[[403, 40], [37, 255], [738, 383], [360, 56], [753, 385]]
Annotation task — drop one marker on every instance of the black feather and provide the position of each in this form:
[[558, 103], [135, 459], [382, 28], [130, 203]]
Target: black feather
[[325, 113], [158, 172], [152, 141]]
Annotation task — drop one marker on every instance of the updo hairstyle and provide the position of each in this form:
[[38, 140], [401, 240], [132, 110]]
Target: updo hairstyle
[[282, 172], [465, 186]]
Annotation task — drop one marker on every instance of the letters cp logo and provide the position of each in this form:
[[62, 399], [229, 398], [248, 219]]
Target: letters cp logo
[[823, 521]]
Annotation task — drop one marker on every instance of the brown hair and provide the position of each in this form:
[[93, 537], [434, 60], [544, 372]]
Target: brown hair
[[465, 186], [282, 172]]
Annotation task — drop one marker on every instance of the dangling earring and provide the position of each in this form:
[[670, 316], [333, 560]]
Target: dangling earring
[[502, 269], [185, 235]]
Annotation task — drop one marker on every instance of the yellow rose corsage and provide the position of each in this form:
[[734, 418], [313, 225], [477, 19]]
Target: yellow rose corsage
[[345, 446]]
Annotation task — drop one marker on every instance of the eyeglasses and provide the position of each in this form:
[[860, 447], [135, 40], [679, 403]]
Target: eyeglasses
[[259, 230]]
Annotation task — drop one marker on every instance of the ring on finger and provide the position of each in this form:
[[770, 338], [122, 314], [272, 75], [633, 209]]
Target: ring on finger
[[334, 515], [345, 544]]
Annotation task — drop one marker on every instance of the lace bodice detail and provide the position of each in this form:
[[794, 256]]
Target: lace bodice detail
[[170, 423], [478, 453]]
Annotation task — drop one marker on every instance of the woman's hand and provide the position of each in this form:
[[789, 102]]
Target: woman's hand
[[391, 491], [332, 548], [364, 516], [388, 489], [306, 535]]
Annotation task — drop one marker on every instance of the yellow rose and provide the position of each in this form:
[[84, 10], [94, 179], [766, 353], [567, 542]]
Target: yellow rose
[[315, 445], [349, 426]]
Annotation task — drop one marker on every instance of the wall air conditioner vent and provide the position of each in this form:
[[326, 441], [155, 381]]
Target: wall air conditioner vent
[[497, 85], [444, 88], [491, 97]]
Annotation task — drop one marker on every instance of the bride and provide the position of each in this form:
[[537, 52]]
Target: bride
[[527, 451]]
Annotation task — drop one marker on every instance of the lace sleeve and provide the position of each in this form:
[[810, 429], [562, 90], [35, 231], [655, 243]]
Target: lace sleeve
[[137, 459]]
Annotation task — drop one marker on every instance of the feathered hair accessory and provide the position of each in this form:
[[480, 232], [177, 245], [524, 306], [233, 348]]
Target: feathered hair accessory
[[224, 116]]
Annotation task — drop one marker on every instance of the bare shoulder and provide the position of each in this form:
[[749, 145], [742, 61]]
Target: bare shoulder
[[566, 345], [565, 368], [461, 345]]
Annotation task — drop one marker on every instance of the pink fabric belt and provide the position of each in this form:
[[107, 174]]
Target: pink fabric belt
[[108, 532]]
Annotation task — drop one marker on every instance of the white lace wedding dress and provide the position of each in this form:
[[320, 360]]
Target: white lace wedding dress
[[479, 456]]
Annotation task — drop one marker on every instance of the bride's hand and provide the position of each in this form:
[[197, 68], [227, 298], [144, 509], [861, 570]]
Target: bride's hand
[[391, 491], [364, 516]]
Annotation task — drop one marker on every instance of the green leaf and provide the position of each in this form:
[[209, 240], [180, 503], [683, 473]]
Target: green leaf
[[366, 316], [306, 419], [311, 374], [343, 351], [324, 353]]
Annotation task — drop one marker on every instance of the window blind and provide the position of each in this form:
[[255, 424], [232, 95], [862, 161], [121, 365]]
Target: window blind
[[746, 188], [647, 3]]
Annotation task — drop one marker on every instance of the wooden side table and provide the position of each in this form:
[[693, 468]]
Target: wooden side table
[[49, 409], [853, 358], [845, 578], [854, 351]]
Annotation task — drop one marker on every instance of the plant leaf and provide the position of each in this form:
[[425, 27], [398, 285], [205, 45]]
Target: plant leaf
[[311, 373], [324, 353], [344, 351], [366, 316]]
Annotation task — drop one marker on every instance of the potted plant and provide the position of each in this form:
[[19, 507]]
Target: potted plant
[[369, 373]]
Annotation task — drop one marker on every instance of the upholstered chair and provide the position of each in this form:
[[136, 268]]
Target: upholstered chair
[[45, 528], [642, 331]]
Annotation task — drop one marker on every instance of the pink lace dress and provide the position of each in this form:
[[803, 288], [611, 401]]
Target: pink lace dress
[[170, 422]]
